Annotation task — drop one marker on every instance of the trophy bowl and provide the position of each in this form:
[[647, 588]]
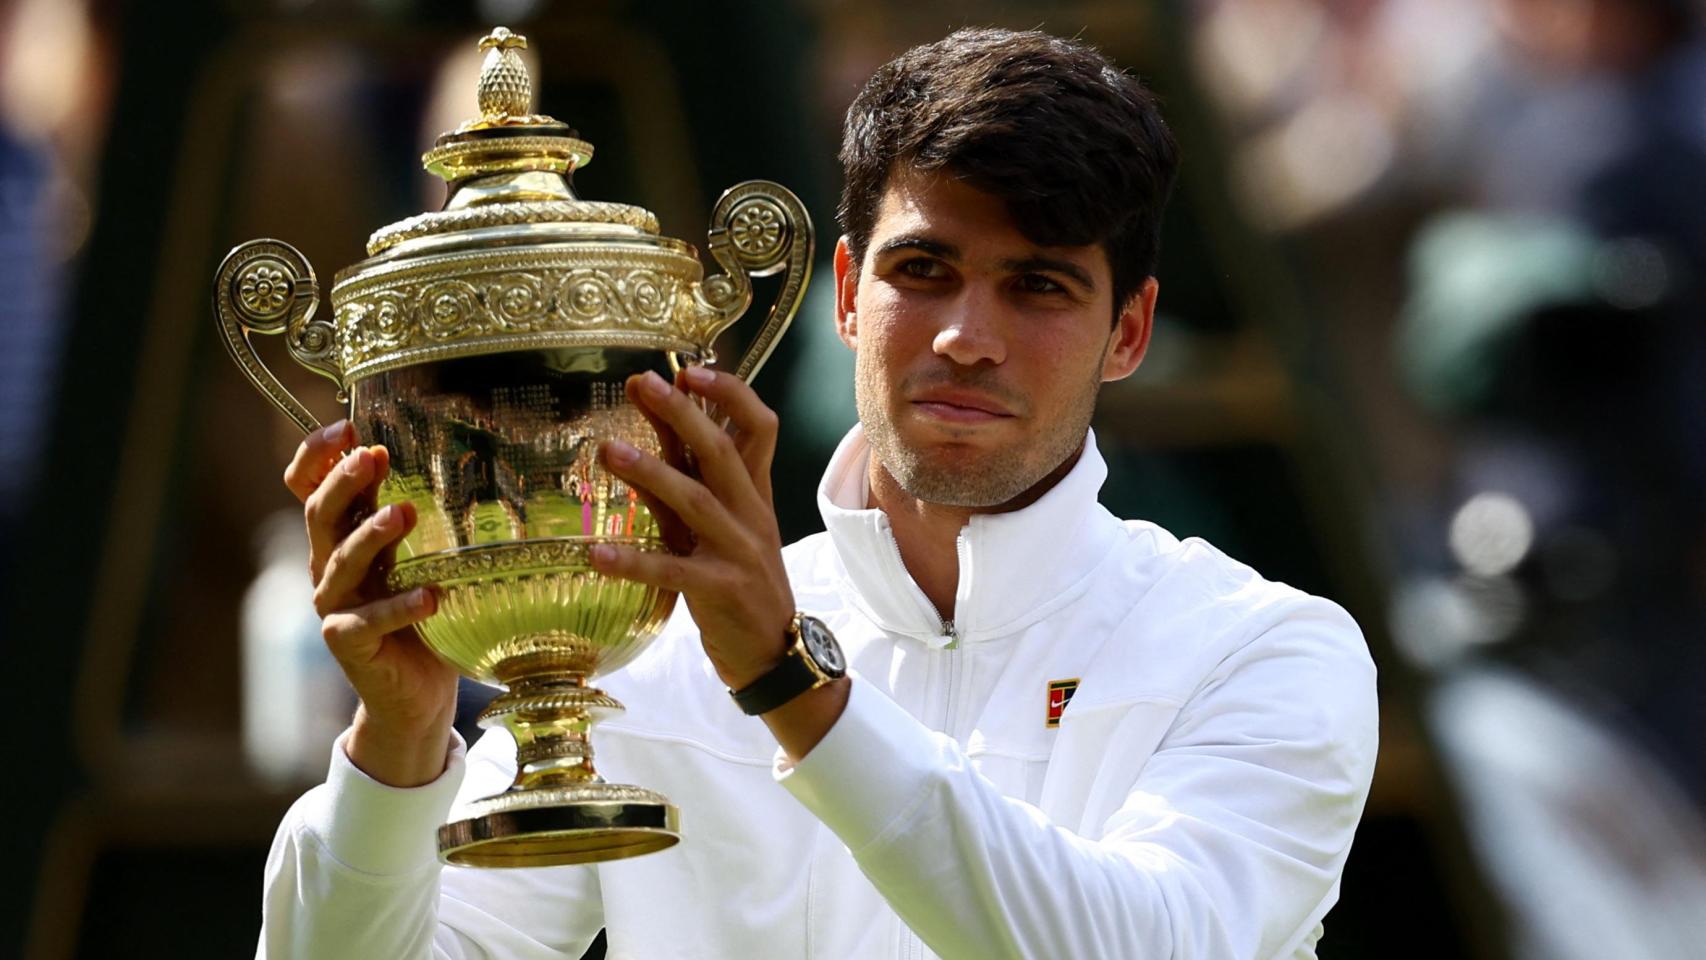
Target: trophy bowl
[[486, 346]]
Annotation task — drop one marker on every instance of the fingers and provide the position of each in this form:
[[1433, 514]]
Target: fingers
[[354, 636], [720, 464], [315, 457], [351, 562], [677, 535], [690, 500], [669, 444], [665, 571], [755, 423], [328, 510]]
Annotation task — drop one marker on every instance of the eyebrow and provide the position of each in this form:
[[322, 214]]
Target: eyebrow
[[912, 241], [947, 251]]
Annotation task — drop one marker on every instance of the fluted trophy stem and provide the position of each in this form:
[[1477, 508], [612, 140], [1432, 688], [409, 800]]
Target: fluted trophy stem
[[558, 809]]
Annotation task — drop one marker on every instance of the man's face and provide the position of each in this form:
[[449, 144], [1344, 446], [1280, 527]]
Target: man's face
[[978, 353]]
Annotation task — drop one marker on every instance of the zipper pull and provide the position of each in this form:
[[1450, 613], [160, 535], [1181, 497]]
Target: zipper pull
[[952, 634]]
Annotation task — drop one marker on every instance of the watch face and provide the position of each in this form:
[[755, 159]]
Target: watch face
[[820, 643]]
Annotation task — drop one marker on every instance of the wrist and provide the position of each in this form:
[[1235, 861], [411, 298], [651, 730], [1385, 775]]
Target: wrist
[[768, 651], [407, 755], [810, 659], [803, 722], [738, 677]]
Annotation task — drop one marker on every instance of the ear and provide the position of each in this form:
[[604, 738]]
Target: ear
[[1130, 338], [846, 295]]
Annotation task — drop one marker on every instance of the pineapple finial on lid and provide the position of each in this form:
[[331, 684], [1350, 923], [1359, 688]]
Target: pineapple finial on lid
[[505, 88], [507, 137]]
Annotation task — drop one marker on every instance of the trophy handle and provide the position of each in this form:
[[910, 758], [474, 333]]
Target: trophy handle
[[268, 286], [757, 228]]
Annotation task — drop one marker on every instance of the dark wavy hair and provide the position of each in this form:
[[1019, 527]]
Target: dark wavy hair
[[1075, 146]]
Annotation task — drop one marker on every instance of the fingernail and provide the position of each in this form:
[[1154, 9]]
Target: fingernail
[[655, 386], [386, 516], [603, 553], [699, 376], [422, 599], [335, 433], [621, 453], [356, 463]]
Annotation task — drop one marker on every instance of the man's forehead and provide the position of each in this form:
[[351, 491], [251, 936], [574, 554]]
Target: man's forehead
[[935, 209], [914, 199]]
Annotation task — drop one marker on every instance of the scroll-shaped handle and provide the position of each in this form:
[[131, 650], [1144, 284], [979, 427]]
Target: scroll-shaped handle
[[757, 228], [268, 286]]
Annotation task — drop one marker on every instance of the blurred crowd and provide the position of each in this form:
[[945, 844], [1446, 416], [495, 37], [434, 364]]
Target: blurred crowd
[[1501, 205], [54, 74], [1531, 357]]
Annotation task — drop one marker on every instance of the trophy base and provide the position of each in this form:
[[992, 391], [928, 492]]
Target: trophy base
[[554, 826]]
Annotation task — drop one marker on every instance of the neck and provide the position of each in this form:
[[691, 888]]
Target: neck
[[928, 533]]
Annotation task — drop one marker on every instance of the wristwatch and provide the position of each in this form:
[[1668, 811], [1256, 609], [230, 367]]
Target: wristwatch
[[813, 660]]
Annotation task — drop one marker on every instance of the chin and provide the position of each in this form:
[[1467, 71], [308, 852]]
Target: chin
[[960, 475], [970, 488], [956, 453]]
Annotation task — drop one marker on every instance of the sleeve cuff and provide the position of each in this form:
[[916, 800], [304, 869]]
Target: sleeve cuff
[[868, 772], [377, 829]]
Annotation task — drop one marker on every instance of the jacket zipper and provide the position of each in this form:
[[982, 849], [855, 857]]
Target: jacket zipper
[[951, 651], [947, 626], [949, 629]]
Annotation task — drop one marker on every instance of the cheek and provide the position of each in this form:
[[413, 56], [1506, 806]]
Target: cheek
[[873, 359], [888, 334], [1062, 367]]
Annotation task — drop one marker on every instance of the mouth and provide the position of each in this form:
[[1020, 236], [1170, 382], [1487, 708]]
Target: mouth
[[960, 406]]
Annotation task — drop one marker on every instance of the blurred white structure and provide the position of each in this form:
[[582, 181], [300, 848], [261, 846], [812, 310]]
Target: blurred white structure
[[295, 699], [1595, 851]]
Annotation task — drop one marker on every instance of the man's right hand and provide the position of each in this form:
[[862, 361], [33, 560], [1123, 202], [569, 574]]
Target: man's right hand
[[401, 733]]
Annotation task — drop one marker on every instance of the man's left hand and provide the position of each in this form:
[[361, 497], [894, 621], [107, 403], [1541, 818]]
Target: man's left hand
[[730, 569]]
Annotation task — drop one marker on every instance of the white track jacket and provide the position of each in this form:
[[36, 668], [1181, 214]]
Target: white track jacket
[[1195, 800]]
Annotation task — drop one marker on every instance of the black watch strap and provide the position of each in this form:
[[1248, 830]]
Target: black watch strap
[[796, 673], [784, 682]]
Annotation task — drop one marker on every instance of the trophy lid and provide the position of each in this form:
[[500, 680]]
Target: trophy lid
[[509, 165], [514, 261]]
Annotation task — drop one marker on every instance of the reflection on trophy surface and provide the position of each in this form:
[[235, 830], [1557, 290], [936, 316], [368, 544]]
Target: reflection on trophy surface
[[486, 346]]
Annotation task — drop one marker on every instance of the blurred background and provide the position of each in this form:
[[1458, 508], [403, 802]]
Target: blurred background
[[1430, 343]]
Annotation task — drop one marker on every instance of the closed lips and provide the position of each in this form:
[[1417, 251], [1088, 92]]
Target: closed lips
[[963, 401]]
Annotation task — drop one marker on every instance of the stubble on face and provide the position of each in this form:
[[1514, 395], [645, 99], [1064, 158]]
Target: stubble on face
[[974, 474]]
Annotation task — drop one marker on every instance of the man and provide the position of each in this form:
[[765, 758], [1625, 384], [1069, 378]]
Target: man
[[1197, 795]]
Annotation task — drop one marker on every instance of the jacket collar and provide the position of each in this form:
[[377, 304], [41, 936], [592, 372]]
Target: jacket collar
[[1015, 568]]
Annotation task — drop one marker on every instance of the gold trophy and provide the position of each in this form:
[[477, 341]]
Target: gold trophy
[[486, 346]]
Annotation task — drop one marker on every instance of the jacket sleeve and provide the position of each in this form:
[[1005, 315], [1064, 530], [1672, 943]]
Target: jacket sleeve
[[354, 872], [1228, 846]]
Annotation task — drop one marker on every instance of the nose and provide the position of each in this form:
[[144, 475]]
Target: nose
[[970, 331]]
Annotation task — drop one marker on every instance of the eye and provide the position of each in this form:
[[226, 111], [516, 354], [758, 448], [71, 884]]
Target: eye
[[923, 268], [1037, 283]]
